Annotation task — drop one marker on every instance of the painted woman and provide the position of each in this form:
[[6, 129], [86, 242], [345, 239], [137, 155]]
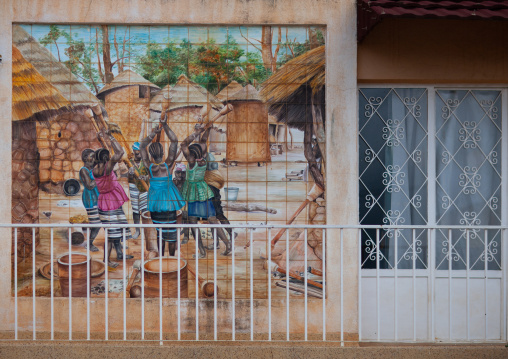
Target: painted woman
[[90, 195], [164, 199], [195, 190], [111, 198], [138, 193]]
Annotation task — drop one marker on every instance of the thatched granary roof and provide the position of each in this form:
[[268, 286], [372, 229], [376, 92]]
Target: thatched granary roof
[[289, 90], [229, 91], [186, 93], [126, 78], [248, 93], [46, 64], [31, 92]]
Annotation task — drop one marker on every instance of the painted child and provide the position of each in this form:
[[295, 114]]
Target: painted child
[[90, 195]]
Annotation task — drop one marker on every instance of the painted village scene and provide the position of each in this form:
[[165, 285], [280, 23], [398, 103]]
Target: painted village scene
[[168, 125]]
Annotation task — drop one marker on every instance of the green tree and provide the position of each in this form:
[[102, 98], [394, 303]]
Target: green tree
[[51, 38], [162, 65], [80, 62], [215, 65]]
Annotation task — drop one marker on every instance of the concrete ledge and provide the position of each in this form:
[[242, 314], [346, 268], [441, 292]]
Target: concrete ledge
[[256, 350]]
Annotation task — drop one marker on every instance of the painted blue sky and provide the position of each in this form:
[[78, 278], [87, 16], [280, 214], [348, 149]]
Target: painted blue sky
[[139, 36]]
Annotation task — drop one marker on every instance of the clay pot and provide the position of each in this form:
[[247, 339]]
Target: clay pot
[[169, 278], [74, 267]]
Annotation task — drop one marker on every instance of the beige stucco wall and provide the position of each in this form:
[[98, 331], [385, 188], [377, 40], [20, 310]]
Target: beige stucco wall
[[435, 51], [341, 107]]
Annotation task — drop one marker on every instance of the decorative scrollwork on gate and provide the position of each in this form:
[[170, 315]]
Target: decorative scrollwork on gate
[[393, 133], [470, 134], [469, 180], [371, 107], [393, 178]]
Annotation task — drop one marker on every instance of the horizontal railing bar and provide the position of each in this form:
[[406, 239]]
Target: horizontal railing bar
[[479, 275], [261, 226]]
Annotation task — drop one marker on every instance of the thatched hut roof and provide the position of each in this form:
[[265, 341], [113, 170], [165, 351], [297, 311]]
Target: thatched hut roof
[[248, 93], [229, 91], [126, 78], [157, 101], [31, 92], [288, 91], [187, 93], [49, 67]]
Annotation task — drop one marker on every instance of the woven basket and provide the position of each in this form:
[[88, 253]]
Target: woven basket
[[214, 178]]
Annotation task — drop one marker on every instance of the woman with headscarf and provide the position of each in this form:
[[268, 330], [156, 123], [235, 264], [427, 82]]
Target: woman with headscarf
[[195, 190], [90, 195], [111, 198], [164, 199]]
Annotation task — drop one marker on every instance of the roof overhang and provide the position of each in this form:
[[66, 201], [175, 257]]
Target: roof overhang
[[370, 13]]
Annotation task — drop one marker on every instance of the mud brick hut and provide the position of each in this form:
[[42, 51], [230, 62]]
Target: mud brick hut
[[62, 135], [33, 99], [187, 100], [47, 139], [295, 97], [127, 102], [247, 129], [156, 104]]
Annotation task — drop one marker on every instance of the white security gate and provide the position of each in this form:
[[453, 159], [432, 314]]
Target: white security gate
[[433, 167]]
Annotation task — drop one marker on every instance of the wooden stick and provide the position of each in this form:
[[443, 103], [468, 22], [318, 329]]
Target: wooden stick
[[314, 193], [89, 114], [225, 110], [296, 276], [315, 271], [135, 270], [311, 291], [97, 110], [206, 287]]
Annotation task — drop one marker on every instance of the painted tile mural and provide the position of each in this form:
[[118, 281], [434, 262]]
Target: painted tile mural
[[167, 124]]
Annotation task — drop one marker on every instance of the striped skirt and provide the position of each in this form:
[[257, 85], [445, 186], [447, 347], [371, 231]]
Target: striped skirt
[[169, 217], [93, 218], [139, 200], [93, 215], [116, 216]]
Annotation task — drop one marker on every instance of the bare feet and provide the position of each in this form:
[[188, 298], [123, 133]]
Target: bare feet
[[210, 247], [228, 249], [200, 256], [92, 247]]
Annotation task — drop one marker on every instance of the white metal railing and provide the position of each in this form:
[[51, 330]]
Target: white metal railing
[[388, 301]]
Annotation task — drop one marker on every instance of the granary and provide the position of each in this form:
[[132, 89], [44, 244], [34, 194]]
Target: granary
[[218, 137], [247, 128], [48, 137], [228, 91], [187, 101], [127, 102]]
